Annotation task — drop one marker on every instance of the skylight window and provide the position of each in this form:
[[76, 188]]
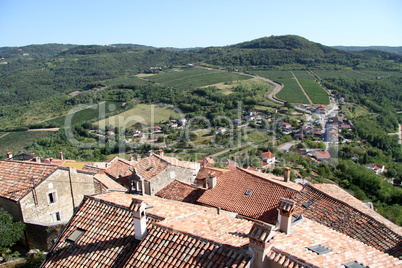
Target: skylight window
[[74, 236], [355, 264], [248, 192], [149, 168], [319, 249], [307, 204]]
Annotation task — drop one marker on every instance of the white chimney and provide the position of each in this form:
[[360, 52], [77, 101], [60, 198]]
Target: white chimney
[[140, 220], [261, 241], [286, 207], [9, 155], [287, 174], [210, 181], [150, 152], [160, 151]]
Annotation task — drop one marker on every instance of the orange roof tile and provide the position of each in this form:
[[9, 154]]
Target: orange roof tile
[[265, 193], [334, 208], [119, 168], [268, 155], [293, 248], [154, 164], [18, 178], [180, 191], [108, 182]]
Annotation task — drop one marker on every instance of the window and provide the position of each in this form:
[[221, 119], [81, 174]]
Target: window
[[56, 216], [248, 192], [355, 264], [75, 235], [52, 197], [319, 249]]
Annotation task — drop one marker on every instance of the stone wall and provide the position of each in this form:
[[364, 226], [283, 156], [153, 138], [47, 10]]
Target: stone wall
[[170, 174]]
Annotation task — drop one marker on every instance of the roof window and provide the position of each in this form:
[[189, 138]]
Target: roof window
[[307, 204], [149, 168], [74, 236], [248, 192], [355, 264], [319, 249]]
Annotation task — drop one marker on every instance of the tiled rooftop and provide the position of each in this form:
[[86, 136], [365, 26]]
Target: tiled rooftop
[[154, 164], [109, 183], [268, 155], [166, 248], [18, 178], [331, 206], [249, 193], [181, 191], [289, 250], [107, 240], [119, 168], [189, 234], [203, 173]]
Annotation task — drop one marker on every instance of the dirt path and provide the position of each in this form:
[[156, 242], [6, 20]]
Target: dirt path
[[5, 134], [227, 150], [45, 129], [297, 80], [399, 133]]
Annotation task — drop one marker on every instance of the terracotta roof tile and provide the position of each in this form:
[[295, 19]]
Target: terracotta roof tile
[[268, 155], [249, 193], [181, 191], [119, 168], [331, 206], [108, 182], [18, 178], [292, 249]]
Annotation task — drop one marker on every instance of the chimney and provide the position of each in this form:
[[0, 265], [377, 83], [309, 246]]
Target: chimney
[[61, 155], [287, 174], [137, 207], [131, 158], [210, 181], [286, 207], [50, 159], [150, 152], [261, 241], [9, 155], [138, 157], [160, 151]]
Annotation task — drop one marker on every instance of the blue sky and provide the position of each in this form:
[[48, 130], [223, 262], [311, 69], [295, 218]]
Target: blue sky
[[193, 23]]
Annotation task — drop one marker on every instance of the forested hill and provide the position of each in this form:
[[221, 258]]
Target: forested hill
[[397, 50], [37, 72]]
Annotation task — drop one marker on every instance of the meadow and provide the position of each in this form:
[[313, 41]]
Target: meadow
[[317, 94], [195, 77], [145, 113], [16, 141], [291, 91]]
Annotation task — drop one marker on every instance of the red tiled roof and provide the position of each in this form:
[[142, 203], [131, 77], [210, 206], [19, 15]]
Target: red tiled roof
[[203, 173], [189, 234], [180, 191], [109, 183], [291, 249], [119, 168], [262, 203], [165, 248], [322, 155], [268, 155], [154, 164], [107, 241], [334, 208], [18, 178]]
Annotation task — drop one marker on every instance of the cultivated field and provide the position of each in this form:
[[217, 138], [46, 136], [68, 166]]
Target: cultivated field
[[195, 77], [135, 81], [300, 74], [316, 93], [141, 113], [273, 74], [291, 91], [16, 141]]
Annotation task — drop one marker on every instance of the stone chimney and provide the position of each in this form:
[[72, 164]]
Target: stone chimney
[[137, 207], [261, 241], [9, 155], [160, 151], [286, 207], [61, 155], [210, 181], [287, 174]]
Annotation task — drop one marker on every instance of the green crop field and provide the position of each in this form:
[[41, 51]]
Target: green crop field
[[89, 114], [301, 74], [135, 81], [16, 141], [345, 73], [141, 113], [291, 91], [273, 74], [195, 77], [316, 93]]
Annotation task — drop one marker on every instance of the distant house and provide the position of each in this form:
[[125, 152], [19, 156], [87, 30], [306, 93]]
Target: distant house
[[267, 157], [237, 121], [378, 169], [182, 121], [322, 155]]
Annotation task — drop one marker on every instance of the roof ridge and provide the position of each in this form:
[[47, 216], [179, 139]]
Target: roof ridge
[[163, 158], [255, 173], [30, 163], [355, 209]]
